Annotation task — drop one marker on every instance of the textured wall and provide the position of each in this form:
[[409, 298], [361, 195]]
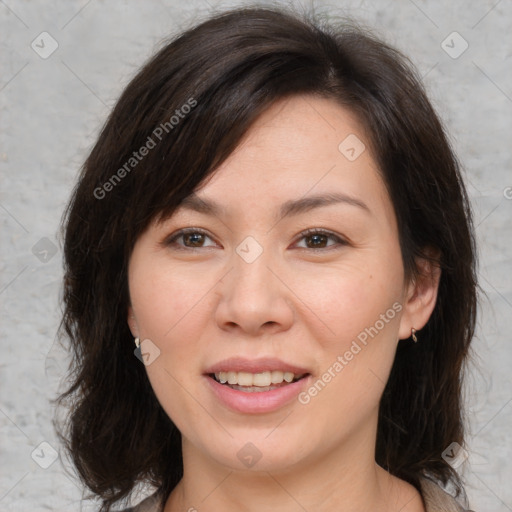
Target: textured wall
[[52, 106]]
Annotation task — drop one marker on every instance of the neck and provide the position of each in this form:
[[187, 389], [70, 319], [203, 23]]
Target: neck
[[323, 485]]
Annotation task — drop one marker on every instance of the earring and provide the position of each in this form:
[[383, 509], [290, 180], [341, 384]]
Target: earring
[[138, 350], [413, 335]]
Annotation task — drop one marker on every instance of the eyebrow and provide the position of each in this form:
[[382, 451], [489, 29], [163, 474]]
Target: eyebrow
[[288, 208]]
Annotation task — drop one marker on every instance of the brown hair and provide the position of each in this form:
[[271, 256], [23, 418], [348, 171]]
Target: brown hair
[[228, 70]]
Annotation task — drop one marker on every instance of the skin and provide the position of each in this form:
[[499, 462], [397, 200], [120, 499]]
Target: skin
[[302, 304]]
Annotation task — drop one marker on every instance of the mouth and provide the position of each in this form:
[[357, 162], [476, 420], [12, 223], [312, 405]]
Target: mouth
[[256, 386], [256, 382]]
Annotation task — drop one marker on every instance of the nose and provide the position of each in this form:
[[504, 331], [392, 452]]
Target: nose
[[255, 297]]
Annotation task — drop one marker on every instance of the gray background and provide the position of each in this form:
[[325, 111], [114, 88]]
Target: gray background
[[51, 111]]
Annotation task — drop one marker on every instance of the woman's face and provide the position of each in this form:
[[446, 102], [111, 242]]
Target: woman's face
[[246, 296]]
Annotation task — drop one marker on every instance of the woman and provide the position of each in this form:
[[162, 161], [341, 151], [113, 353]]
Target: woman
[[272, 220]]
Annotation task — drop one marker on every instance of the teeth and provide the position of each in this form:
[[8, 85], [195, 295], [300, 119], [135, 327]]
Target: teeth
[[244, 379], [276, 377], [263, 379], [288, 376]]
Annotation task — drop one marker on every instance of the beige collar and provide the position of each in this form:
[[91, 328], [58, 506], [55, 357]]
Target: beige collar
[[436, 499]]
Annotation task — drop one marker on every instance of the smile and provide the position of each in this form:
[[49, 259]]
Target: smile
[[255, 386], [256, 382]]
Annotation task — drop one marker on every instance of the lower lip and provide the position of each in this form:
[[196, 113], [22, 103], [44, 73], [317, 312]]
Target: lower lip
[[258, 401]]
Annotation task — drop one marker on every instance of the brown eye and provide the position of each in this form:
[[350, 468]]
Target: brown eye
[[195, 239], [191, 239], [318, 239]]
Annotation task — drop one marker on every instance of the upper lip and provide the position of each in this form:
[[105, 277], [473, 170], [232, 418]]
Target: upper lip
[[266, 364]]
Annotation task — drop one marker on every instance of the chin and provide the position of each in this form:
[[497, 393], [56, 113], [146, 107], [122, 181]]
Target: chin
[[253, 452]]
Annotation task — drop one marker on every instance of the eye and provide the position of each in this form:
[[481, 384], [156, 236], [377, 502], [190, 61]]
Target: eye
[[193, 238], [318, 239]]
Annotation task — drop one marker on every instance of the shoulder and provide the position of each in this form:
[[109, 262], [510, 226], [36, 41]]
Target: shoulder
[[438, 500], [153, 503]]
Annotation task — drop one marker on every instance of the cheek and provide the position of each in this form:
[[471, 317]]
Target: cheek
[[166, 301], [169, 312], [344, 300], [358, 307]]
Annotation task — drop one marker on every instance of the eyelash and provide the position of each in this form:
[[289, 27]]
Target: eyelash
[[304, 234]]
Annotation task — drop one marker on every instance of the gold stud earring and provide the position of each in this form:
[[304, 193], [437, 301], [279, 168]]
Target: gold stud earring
[[137, 342], [413, 335]]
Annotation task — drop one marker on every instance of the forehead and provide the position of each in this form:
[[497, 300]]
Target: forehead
[[298, 147], [299, 129]]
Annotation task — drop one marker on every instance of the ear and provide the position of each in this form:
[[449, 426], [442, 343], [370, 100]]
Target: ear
[[132, 323], [421, 294]]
